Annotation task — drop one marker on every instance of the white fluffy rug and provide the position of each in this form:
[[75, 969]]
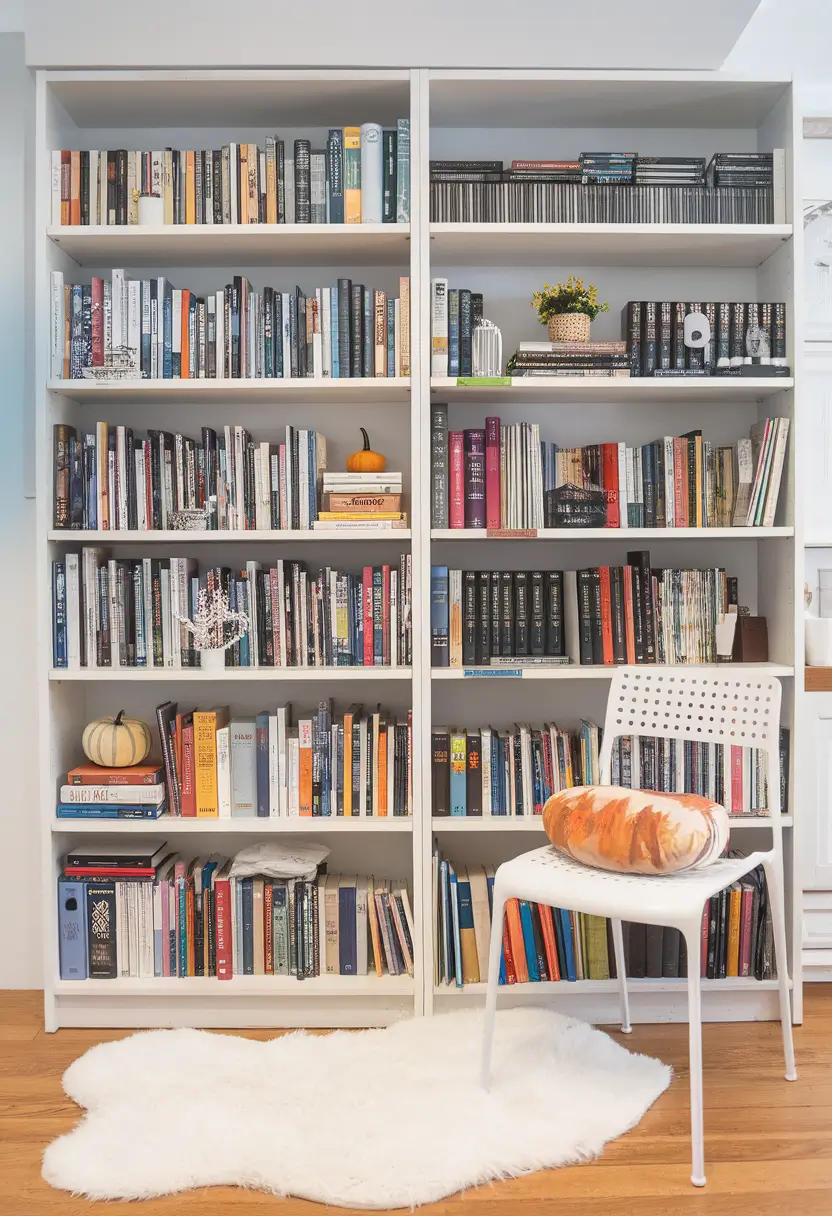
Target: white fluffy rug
[[374, 1119]]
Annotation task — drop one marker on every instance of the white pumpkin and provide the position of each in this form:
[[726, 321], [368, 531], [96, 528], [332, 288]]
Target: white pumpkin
[[116, 742]]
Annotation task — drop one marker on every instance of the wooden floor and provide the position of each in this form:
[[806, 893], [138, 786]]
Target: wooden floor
[[768, 1143]]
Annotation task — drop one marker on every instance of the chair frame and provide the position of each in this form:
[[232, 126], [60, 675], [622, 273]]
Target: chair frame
[[682, 704]]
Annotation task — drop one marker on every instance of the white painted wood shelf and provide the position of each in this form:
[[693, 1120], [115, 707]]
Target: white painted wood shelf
[[381, 390], [284, 536], [610, 390], [292, 826], [274, 986], [256, 675], [235, 244], [629, 534], [530, 991], [577, 671], [534, 823], [504, 244]]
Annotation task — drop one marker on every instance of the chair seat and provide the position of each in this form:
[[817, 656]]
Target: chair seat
[[548, 877]]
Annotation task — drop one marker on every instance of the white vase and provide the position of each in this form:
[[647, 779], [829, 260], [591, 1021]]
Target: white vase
[[818, 640], [151, 211], [212, 660]]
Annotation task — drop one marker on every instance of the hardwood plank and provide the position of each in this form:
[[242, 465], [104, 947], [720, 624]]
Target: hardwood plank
[[818, 679], [768, 1143]]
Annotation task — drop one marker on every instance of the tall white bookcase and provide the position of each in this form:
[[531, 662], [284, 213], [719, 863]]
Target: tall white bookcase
[[472, 114]]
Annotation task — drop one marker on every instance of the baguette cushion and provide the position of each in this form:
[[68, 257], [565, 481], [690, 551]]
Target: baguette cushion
[[636, 831]]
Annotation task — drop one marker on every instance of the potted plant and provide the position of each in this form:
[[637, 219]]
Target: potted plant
[[568, 309]]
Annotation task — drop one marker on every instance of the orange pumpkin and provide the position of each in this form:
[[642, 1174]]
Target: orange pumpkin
[[366, 461]]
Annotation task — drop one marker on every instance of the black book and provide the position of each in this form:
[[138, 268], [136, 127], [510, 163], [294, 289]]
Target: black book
[[712, 962], [216, 186], [440, 771], [121, 186], [677, 344], [101, 930], [473, 775], [450, 166], [722, 940], [671, 945], [657, 465], [465, 356], [597, 616], [553, 607], [469, 618], [696, 354], [483, 617], [303, 183], [537, 635], [737, 339], [356, 329], [344, 318], [631, 322], [722, 353], [709, 351], [764, 325], [653, 952], [637, 953], [585, 631], [649, 336], [495, 613], [506, 613], [388, 178], [643, 597], [476, 309], [665, 334], [521, 613], [778, 334], [619, 626], [539, 945], [85, 187]]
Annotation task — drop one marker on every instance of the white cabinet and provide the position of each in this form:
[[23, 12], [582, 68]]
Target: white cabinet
[[815, 811]]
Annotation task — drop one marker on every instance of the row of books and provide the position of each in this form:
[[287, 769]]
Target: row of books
[[111, 612], [623, 168], [544, 944], [454, 314], [737, 335], [505, 477], [108, 478], [608, 359], [512, 772], [149, 328], [362, 176], [602, 615], [181, 918]]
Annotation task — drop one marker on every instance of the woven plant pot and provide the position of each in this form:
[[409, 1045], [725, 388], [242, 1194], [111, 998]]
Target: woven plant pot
[[569, 327]]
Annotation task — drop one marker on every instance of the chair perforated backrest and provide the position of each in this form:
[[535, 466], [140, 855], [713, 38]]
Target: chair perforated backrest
[[692, 703]]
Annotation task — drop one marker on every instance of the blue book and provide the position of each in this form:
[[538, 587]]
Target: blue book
[[458, 759], [347, 948], [262, 746], [457, 954], [107, 810], [403, 171], [453, 332], [447, 939], [59, 625], [391, 337], [466, 916], [182, 927], [72, 929], [335, 175], [312, 474], [248, 925], [440, 655], [528, 940], [566, 938], [333, 320]]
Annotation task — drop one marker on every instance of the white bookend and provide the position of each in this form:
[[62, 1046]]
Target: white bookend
[[274, 768]]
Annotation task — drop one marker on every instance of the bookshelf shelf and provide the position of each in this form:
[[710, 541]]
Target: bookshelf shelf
[[601, 390], [249, 537], [236, 245], [256, 675], [464, 114], [629, 534], [576, 671], [219, 827], [534, 824], [312, 391], [583, 987], [735, 245]]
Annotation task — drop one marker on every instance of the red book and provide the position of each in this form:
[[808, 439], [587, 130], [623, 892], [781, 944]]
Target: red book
[[746, 906], [110, 872], [66, 173], [268, 943], [703, 958], [188, 767], [680, 488], [134, 774], [367, 598], [508, 957], [629, 620], [385, 615], [492, 473], [549, 940], [609, 469], [736, 780], [456, 479], [97, 322], [606, 614], [222, 914]]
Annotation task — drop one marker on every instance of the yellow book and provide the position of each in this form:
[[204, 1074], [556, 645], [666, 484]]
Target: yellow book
[[271, 182], [352, 175], [404, 325], [734, 909], [360, 515], [167, 185], [467, 931], [206, 725], [382, 770], [242, 185], [190, 189], [348, 721]]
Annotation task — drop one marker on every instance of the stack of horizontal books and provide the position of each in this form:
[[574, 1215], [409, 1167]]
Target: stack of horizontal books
[[570, 359], [362, 500]]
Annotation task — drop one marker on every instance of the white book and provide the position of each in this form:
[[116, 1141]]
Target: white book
[[119, 320], [778, 156], [287, 344], [233, 186], [115, 631], [571, 625], [221, 355], [623, 493], [485, 768], [526, 769], [58, 326], [134, 320], [289, 189], [252, 570], [394, 618], [55, 182], [243, 768], [775, 476], [362, 767], [157, 172], [317, 337], [133, 173], [361, 897], [371, 173], [147, 603], [93, 188], [264, 504], [274, 767], [292, 751], [326, 331], [73, 612], [439, 327], [284, 720], [167, 660]]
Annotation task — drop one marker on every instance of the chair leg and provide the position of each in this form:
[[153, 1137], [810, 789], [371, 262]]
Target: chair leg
[[774, 882], [493, 983], [697, 1128], [621, 972]]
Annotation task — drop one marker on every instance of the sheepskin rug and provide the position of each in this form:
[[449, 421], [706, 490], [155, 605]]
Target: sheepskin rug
[[369, 1119]]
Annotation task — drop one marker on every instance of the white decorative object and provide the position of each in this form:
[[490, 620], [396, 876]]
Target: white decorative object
[[215, 627], [575, 1087], [119, 364], [190, 519], [486, 349], [151, 211], [817, 633]]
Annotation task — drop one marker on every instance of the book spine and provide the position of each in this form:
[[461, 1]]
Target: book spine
[[453, 332], [403, 171], [439, 616], [439, 328], [371, 173], [456, 479], [303, 182], [664, 336], [778, 335], [335, 174], [492, 472], [649, 350], [469, 618], [352, 175], [389, 172], [465, 334], [439, 466], [632, 334], [475, 510]]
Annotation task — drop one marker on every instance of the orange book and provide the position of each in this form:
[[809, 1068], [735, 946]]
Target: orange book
[[75, 187], [185, 360], [349, 718], [734, 909], [518, 948], [352, 175], [305, 767], [629, 620], [206, 725], [242, 185], [381, 770], [549, 941], [190, 189], [606, 613]]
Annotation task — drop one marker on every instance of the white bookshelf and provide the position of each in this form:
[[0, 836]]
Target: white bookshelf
[[476, 114]]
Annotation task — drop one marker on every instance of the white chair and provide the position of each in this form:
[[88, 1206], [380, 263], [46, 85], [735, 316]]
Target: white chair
[[714, 707]]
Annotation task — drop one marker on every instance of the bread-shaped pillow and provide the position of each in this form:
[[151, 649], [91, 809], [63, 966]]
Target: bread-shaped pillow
[[636, 831]]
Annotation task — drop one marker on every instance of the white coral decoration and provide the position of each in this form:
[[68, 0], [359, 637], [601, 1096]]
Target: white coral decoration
[[211, 619]]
